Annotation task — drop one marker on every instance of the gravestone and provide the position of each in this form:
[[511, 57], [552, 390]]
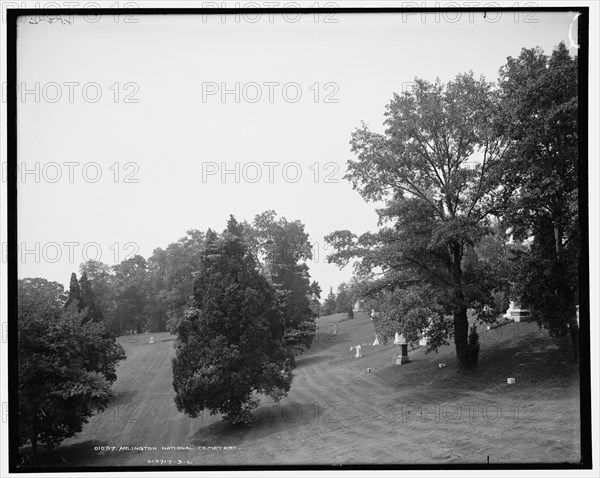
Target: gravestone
[[376, 341], [399, 339], [403, 357], [151, 340], [358, 305], [517, 314], [358, 352]]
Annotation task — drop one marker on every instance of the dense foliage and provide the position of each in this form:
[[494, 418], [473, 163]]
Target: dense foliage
[[66, 365], [231, 345], [456, 164]]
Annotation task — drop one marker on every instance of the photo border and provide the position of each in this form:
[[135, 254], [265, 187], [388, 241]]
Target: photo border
[[12, 265]]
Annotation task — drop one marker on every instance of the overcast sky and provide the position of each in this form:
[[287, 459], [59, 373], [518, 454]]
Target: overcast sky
[[141, 104]]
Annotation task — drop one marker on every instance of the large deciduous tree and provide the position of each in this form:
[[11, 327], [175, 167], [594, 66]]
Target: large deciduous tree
[[344, 300], [171, 274], [66, 365], [101, 282], [329, 304], [230, 345], [282, 248], [131, 289], [540, 116], [437, 171]]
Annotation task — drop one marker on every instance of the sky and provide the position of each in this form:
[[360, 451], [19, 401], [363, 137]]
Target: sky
[[130, 134]]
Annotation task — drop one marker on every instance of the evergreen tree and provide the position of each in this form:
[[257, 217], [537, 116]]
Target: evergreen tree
[[75, 294], [88, 299], [230, 345]]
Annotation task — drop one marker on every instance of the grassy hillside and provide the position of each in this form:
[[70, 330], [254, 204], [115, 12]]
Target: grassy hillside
[[336, 412]]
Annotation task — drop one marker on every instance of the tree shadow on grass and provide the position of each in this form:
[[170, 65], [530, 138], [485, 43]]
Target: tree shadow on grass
[[270, 419], [123, 398], [312, 360], [532, 361], [327, 340], [536, 362], [78, 454]]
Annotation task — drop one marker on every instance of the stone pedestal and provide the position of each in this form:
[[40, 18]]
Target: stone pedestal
[[403, 357]]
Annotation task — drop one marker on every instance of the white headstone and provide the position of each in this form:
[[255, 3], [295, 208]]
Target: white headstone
[[358, 352], [376, 341], [151, 340], [399, 339]]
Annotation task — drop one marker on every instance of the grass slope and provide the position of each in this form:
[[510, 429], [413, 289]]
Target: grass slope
[[337, 413]]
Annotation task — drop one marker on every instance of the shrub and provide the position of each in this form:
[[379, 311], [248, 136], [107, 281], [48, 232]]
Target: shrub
[[473, 346]]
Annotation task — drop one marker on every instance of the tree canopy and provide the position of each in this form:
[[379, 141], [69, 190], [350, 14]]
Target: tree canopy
[[540, 116], [437, 171]]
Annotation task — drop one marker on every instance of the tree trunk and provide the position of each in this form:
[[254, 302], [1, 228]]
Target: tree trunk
[[574, 331], [461, 322], [461, 337], [34, 450], [566, 295]]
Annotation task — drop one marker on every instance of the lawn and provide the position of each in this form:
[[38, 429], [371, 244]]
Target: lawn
[[338, 413]]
